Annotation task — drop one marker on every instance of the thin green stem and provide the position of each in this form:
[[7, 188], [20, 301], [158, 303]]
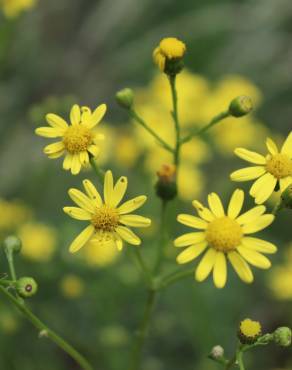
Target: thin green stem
[[142, 265], [10, 260], [200, 131], [172, 80], [277, 207], [239, 359], [99, 172], [142, 123], [143, 331], [7, 282], [162, 238], [65, 346], [174, 277]]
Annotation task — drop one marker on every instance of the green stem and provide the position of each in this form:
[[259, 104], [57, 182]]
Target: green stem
[[141, 122], [66, 347], [174, 277], [162, 238], [172, 79], [143, 267], [143, 331], [200, 131], [230, 363], [7, 282], [239, 358], [277, 207], [10, 260], [99, 172]]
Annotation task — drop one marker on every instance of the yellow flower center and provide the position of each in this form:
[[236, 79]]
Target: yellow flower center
[[77, 139], [250, 328], [105, 219], [224, 234], [280, 165]]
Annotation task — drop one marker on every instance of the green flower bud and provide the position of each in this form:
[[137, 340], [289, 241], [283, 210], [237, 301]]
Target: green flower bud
[[240, 106], [12, 244], [282, 336], [287, 197], [125, 98], [26, 287]]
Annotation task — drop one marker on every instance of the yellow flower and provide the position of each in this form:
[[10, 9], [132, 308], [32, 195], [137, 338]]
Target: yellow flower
[[109, 221], [79, 140], [12, 8], [169, 48], [224, 236], [249, 331], [275, 168], [72, 286], [15, 214], [280, 282], [38, 241]]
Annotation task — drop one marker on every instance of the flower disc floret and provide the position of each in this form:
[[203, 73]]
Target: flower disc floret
[[224, 234], [171, 47], [77, 139], [249, 331], [105, 218], [280, 166]]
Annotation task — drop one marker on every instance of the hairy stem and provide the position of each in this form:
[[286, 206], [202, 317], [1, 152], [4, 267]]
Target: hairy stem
[[172, 80], [59, 341]]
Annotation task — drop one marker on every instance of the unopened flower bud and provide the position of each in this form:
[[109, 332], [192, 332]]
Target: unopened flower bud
[[240, 106], [12, 244], [287, 197], [217, 352], [125, 98], [282, 336], [166, 188], [249, 331], [26, 287]]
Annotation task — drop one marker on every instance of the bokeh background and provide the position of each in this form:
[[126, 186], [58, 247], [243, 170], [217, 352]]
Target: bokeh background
[[60, 52]]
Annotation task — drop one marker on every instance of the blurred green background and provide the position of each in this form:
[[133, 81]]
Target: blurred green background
[[60, 52]]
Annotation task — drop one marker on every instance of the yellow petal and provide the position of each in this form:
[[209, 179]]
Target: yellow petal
[[251, 215], [75, 115], [254, 258], [250, 156], [81, 200], [285, 182], [56, 121], [54, 148], [84, 158], [247, 173], [92, 192], [132, 204], [56, 155], [67, 161], [108, 189], [189, 238], [94, 150], [235, 203], [49, 132], [119, 242], [206, 264], [272, 147], [191, 253], [81, 239], [77, 213], [287, 146], [128, 235], [216, 205], [85, 113], [192, 221], [75, 164], [135, 220], [119, 190], [258, 245], [241, 267], [96, 116], [220, 270], [262, 188], [203, 212], [259, 224]]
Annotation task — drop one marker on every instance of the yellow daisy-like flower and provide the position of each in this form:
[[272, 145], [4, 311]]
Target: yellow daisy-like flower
[[109, 221], [225, 236], [79, 140], [275, 168], [169, 48]]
